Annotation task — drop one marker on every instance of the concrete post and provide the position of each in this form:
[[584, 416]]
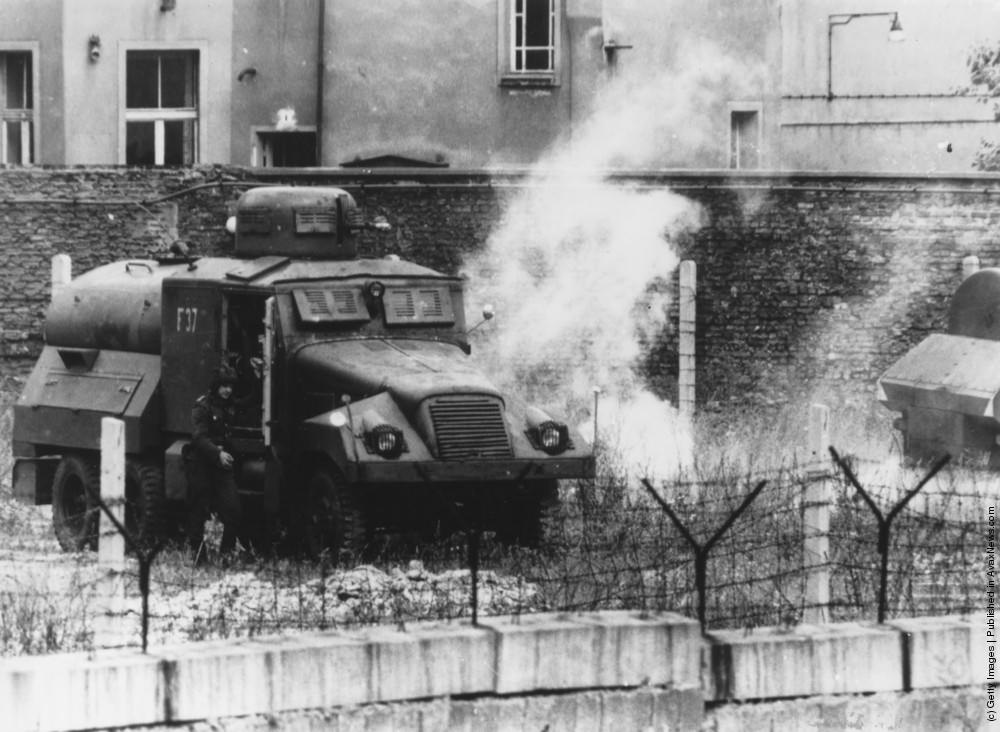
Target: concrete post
[[686, 332], [62, 271], [111, 547], [111, 544], [816, 519], [970, 265], [167, 216]]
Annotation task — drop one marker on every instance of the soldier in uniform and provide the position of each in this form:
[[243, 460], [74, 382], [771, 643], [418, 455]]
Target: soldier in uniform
[[211, 465]]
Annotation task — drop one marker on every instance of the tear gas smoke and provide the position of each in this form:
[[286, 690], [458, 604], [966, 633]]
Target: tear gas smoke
[[578, 270]]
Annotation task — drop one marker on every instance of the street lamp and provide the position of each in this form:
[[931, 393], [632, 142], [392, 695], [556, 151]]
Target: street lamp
[[895, 35]]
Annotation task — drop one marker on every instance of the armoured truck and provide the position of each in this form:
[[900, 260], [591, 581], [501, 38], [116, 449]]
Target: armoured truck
[[367, 410], [947, 388]]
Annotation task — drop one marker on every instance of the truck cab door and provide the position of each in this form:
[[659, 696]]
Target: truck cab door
[[191, 350]]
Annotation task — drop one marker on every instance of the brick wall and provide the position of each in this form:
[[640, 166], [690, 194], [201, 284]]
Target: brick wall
[[808, 281]]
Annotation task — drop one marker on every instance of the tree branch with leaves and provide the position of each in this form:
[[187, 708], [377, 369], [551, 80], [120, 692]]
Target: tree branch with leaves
[[983, 63]]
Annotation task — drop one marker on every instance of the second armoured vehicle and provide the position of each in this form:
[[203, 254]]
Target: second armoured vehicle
[[947, 387]]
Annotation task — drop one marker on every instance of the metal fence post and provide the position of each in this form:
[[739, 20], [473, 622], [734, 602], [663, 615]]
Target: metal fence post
[[686, 334], [816, 519]]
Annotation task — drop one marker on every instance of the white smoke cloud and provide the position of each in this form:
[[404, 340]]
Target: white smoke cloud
[[577, 269], [576, 272], [569, 265]]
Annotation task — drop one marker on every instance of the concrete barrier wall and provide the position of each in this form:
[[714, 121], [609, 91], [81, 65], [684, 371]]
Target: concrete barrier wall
[[622, 670]]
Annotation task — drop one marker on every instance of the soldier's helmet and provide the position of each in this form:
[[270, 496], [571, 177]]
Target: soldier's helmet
[[224, 375]]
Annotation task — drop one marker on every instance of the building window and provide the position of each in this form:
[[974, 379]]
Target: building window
[[530, 30], [285, 149], [744, 139], [533, 25], [16, 103], [161, 107]]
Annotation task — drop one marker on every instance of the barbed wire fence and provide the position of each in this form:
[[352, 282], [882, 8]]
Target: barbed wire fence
[[836, 538]]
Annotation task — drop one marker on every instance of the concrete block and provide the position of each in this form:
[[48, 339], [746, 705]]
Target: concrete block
[[678, 708], [576, 712], [430, 660], [321, 670], [543, 652], [918, 711], [798, 714], [487, 715], [390, 717], [622, 710], [933, 710], [637, 649], [81, 691], [947, 651], [603, 711], [266, 676], [563, 651], [221, 679], [772, 663], [554, 713]]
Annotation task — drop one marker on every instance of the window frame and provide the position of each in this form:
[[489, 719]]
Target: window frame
[[28, 117], [509, 75], [159, 116], [736, 108]]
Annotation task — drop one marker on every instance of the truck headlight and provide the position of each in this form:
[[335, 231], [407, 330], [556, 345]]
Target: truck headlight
[[552, 437], [381, 438], [545, 433], [385, 440]]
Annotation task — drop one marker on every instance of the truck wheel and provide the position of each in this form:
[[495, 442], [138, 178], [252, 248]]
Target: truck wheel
[[145, 503], [529, 513], [334, 522], [74, 513]]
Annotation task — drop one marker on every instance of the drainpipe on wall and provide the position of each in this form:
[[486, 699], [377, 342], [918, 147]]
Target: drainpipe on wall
[[320, 80]]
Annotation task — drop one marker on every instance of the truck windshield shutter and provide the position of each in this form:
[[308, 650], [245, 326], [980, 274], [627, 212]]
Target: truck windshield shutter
[[331, 305], [418, 305]]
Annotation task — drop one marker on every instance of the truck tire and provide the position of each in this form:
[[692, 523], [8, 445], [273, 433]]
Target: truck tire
[[529, 513], [74, 513], [334, 523], [145, 502]]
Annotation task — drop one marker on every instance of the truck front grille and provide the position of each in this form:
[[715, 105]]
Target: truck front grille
[[469, 427]]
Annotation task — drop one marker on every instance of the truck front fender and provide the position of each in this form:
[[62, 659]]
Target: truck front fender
[[340, 434]]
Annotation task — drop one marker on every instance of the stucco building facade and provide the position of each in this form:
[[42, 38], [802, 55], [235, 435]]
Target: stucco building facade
[[478, 84]]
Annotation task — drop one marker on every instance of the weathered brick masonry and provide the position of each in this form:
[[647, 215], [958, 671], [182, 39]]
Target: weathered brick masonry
[[806, 281]]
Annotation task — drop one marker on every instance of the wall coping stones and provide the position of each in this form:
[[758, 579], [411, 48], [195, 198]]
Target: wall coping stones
[[503, 658], [213, 679]]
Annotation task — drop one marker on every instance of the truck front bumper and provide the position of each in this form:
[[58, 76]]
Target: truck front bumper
[[438, 471]]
